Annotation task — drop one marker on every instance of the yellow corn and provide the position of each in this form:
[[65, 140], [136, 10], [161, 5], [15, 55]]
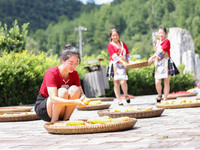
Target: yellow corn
[[183, 101], [121, 119], [100, 120], [95, 102], [74, 123], [86, 101], [165, 103]]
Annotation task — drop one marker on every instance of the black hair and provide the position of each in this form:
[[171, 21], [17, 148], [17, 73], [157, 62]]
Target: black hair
[[68, 51], [164, 29], [113, 30]]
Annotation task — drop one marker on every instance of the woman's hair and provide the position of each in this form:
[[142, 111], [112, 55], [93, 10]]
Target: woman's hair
[[113, 30], [163, 28], [68, 51]]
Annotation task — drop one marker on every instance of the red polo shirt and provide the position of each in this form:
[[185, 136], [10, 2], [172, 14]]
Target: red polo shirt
[[53, 78]]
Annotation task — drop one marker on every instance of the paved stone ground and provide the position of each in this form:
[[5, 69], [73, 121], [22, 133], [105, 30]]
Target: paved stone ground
[[174, 129]]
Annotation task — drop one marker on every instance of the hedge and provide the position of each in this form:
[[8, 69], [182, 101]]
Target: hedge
[[21, 75]]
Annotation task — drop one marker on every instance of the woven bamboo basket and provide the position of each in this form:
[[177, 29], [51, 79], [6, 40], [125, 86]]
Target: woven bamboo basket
[[90, 128], [15, 109], [138, 64], [198, 98], [102, 99], [174, 106], [95, 107], [18, 116], [137, 114], [184, 95], [171, 97], [130, 96]]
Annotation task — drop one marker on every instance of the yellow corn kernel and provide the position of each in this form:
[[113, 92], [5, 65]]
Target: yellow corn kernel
[[100, 120], [150, 108], [165, 103], [86, 101], [95, 102], [74, 123], [121, 119], [183, 101]]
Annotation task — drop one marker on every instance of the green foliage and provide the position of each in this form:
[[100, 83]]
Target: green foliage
[[133, 18], [13, 39], [21, 75], [39, 13]]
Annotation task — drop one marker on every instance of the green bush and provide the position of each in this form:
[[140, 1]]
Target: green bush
[[21, 76], [13, 39]]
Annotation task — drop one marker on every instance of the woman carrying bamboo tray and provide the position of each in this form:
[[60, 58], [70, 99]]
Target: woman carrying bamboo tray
[[119, 58], [164, 65]]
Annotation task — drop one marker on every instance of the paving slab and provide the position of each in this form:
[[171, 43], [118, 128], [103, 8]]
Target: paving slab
[[174, 129]]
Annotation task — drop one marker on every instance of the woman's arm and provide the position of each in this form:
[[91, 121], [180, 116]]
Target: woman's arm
[[152, 59], [53, 95], [116, 58]]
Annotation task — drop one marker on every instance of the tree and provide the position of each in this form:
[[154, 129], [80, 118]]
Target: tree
[[13, 39]]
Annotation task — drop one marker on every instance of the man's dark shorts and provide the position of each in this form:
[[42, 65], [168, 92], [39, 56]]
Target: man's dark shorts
[[40, 108]]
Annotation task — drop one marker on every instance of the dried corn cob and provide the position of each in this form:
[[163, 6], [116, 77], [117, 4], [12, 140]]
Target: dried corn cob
[[86, 101], [95, 102], [100, 120], [121, 119], [74, 123]]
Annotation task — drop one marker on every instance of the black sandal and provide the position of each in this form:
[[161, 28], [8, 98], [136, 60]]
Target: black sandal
[[127, 100], [159, 98]]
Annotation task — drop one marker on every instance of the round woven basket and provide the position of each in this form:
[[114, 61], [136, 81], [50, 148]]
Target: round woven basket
[[138, 64], [184, 95], [15, 109], [174, 106], [137, 114], [198, 98], [130, 96], [102, 99], [18, 116], [95, 107], [90, 128], [171, 97]]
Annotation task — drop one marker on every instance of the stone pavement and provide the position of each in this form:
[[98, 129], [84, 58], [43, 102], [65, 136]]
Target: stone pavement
[[175, 129]]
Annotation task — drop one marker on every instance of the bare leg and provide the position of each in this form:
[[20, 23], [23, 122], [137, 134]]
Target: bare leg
[[56, 111], [124, 87], [74, 93], [158, 86], [166, 87], [117, 89], [125, 90]]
